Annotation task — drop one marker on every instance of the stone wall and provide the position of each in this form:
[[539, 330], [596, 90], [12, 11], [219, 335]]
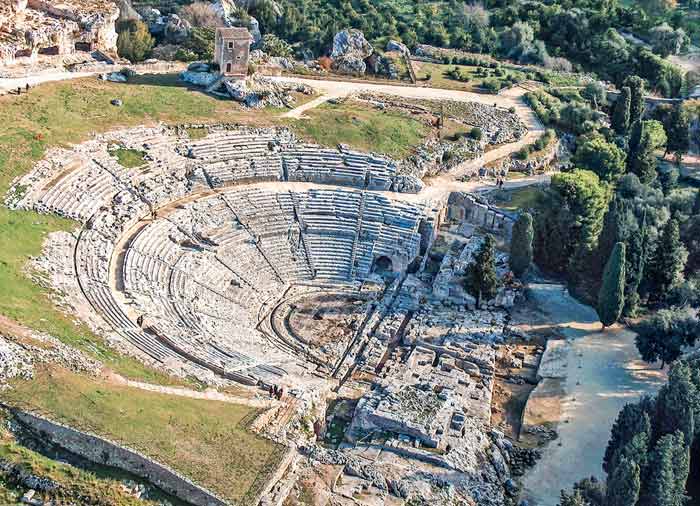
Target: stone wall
[[108, 453], [464, 207]]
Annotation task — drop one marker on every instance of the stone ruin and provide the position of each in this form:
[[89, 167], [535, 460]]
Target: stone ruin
[[30, 29], [198, 260]]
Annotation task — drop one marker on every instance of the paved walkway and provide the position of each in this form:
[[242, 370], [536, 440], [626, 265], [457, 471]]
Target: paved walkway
[[604, 372], [11, 85]]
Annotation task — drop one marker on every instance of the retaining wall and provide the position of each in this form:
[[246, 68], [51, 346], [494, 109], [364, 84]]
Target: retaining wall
[[105, 452]]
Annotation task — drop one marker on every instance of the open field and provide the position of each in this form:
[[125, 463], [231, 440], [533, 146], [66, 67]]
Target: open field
[[440, 79], [361, 127], [206, 441], [516, 199]]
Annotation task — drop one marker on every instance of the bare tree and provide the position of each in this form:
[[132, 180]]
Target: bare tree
[[201, 14]]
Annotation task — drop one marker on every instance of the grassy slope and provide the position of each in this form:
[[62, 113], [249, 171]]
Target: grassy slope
[[387, 132], [207, 441], [73, 481], [60, 114]]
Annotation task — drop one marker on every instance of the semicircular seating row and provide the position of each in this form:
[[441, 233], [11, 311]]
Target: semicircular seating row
[[200, 277]]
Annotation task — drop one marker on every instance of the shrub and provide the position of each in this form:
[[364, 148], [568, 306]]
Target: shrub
[[476, 133], [522, 153], [134, 42], [274, 46], [201, 43]]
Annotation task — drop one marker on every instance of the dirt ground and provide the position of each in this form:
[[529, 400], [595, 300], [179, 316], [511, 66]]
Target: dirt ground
[[603, 372], [327, 318], [513, 386]]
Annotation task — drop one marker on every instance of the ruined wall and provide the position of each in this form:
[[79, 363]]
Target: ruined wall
[[105, 452], [463, 207]]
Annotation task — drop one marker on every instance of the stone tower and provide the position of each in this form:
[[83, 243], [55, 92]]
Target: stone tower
[[231, 51]]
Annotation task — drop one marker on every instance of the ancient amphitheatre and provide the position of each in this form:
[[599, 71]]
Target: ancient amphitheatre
[[320, 286]]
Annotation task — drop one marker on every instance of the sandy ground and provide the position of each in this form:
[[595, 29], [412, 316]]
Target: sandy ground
[[604, 372]]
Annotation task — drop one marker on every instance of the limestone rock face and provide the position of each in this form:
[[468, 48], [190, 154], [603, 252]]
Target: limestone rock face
[[227, 10], [351, 43], [394, 45], [126, 10], [350, 50], [198, 78], [176, 29]]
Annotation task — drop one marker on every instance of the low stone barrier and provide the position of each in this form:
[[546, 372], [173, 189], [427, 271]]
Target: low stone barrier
[[102, 451]]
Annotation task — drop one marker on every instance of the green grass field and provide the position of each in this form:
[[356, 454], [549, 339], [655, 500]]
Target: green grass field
[[386, 132], [519, 198], [439, 79], [207, 441], [129, 158]]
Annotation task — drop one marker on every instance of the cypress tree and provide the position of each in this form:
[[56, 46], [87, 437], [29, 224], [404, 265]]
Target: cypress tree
[[482, 281], [645, 139], [611, 298], [613, 229], [667, 262], [677, 130], [623, 484], [669, 471], [634, 270], [620, 120], [678, 402], [636, 86], [521, 244], [632, 421]]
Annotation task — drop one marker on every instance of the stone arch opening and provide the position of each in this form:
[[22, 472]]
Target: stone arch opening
[[382, 265]]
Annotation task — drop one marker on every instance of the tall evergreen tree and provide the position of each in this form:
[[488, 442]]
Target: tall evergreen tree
[[634, 269], [623, 484], [620, 120], [574, 499], [669, 471], [677, 128], [646, 138], [678, 402], [613, 229], [666, 264], [632, 420], [482, 280], [611, 298], [636, 86], [521, 244], [602, 157]]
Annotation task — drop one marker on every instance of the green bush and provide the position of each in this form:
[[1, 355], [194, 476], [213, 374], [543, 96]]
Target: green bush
[[201, 43], [274, 46], [134, 41], [476, 133]]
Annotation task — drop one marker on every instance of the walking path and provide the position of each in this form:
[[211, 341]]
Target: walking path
[[603, 373], [209, 394], [8, 85]]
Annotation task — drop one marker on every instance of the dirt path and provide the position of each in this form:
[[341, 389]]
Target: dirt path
[[8, 85], [209, 394], [603, 373]]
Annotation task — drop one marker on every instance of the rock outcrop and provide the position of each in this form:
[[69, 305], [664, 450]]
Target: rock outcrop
[[29, 28], [350, 50]]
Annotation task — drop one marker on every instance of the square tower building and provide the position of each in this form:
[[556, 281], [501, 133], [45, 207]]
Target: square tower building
[[231, 51]]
